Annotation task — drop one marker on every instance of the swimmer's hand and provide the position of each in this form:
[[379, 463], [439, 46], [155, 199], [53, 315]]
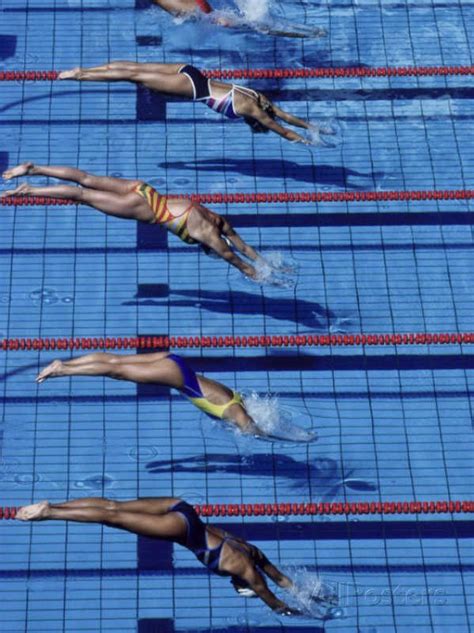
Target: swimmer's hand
[[288, 611]]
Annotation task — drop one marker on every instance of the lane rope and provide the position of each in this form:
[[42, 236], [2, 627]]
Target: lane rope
[[215, 342], [282, 197], [316, 509], [281, 73]]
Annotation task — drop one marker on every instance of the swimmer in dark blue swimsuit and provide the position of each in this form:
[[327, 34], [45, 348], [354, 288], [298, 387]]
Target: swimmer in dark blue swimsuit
[[175, 520], [184, 80]]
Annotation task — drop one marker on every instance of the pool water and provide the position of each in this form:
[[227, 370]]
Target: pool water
[[392, 423]]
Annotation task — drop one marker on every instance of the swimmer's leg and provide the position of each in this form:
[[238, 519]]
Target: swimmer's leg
[[118, 71], [120, 186], [169, 526], [159, 77], [147, 505], [130, 206], [164, 371], [107, 357]]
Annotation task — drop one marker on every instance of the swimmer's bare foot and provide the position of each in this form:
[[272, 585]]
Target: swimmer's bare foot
[[53, 370], [74, 73], [33, 512], [19, 170], [22, 189]]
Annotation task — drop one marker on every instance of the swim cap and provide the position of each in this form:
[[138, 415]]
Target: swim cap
[[204, 6]]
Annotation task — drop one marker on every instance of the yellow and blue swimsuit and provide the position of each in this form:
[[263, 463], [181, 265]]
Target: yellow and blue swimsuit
[[177, 224], [193, 392]]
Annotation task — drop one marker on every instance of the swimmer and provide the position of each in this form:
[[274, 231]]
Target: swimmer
[[174, 520], [136, 200], [185, 8], [162, 368], [184, 80]]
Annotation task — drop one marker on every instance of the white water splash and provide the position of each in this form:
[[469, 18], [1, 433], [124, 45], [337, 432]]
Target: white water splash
[[315, 597], [268, 416], [325, 133], [275, 270], [254, 10]]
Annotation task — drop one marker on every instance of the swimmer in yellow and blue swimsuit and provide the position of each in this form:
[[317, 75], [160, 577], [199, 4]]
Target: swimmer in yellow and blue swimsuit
[[137, 200], [192, 390], [217, 400]]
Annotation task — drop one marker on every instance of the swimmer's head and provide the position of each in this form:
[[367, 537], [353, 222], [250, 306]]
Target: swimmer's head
[[267, 107], [242, 588]]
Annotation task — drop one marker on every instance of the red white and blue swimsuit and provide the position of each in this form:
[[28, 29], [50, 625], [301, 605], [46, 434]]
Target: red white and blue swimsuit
[[202, 92]]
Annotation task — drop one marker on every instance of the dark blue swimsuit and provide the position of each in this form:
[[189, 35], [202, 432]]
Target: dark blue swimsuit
[[196, 538]]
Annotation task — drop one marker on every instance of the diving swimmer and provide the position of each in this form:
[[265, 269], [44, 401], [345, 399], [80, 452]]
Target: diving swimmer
[[185, 8], [136, 200], [230, 100], [173, 519], [163, 368]]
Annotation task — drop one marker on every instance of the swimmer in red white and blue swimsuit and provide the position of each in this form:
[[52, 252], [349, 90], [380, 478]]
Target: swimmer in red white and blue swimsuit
[[184, 8], [184, 80], [174, 520], [137, 200]]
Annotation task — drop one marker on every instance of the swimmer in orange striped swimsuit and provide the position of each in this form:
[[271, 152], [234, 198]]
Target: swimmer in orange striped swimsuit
[[177, 224], [136, 200]]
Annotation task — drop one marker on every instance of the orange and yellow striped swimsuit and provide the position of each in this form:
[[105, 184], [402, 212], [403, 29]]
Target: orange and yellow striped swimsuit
[[177, 224]]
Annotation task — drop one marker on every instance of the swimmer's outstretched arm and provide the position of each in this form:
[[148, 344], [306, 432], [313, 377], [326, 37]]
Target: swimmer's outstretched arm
[[220, 247], [238, 242], [290, 118], [257, 583], [263, 118]]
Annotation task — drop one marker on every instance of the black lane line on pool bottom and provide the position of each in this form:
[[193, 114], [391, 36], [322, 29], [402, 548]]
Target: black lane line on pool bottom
[[287, 361], [318, 395], [151, 549]]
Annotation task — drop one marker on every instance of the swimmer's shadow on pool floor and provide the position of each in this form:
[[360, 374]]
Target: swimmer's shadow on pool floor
[[323, 473], [306, 313]]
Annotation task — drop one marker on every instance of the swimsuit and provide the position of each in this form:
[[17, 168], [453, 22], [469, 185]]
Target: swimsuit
[[193, 392], [202, 92], [196, 538], [204, 6], [177, 224]]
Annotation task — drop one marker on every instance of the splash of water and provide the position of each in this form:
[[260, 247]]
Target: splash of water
[[274, 270], [315, 597], [268, 416], [325, 133], [254, 11]]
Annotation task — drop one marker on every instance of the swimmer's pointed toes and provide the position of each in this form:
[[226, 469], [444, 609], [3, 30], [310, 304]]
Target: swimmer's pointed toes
[[33, 512], [69, 74]]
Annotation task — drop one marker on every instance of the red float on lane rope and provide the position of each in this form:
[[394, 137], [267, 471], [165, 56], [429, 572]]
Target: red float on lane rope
[[274, 198], [281, 73]]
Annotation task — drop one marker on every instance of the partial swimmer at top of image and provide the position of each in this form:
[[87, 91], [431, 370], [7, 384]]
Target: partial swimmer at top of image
[[136, 200], [184, 80], [249, 15], [248, 415]]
